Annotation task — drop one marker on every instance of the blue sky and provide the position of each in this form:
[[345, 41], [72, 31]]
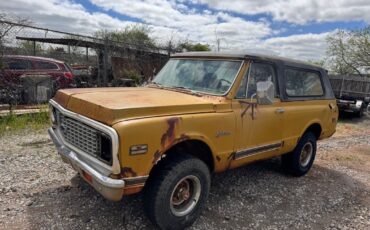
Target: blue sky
[[291, 28]]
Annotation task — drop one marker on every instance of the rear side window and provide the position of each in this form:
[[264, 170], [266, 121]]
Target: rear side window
[[302, 83], [46, 65], [17, 64]]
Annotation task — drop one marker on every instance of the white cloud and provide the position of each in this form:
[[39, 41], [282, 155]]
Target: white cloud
[[196, 26], [303, 46], [172, 18], [298, 11], [62, 15]]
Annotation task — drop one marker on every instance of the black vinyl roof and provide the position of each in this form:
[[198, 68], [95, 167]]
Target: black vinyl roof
[[246, 55]]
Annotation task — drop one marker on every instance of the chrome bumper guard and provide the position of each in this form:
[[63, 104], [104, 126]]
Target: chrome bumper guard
[[112, 189]]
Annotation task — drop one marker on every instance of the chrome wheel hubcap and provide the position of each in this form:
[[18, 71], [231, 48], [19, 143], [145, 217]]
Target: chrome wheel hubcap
[[185, 195], [306, 154]]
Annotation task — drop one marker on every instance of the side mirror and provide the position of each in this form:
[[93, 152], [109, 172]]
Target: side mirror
[[265, 92]]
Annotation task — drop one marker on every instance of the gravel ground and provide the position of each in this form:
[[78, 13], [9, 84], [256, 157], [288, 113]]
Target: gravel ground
[[38, 191]]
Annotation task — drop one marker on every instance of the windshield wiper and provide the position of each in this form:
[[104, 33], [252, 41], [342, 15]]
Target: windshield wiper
[[179, 87], [156, 84], [186, 89]]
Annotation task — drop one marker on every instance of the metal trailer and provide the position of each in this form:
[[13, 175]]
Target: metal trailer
[[352, 92]]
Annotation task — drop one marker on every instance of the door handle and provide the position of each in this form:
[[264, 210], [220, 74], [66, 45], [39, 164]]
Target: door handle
[[280, 110]]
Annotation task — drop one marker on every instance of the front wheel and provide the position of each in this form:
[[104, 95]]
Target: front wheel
[[300, 161], [176, 192]]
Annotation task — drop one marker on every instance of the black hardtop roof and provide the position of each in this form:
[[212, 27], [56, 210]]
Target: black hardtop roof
[[247, 55]]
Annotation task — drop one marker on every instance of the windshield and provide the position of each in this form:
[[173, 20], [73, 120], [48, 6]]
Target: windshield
[[207, 76]]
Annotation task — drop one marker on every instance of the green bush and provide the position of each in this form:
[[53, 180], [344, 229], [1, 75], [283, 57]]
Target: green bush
[[133, 75]]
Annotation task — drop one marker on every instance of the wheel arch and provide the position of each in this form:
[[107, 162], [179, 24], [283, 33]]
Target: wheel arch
[[315, 128], [194, 147]]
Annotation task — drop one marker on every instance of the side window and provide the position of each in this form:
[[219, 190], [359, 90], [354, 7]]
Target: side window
[[301, 83], [46, 65], [17, 64], [257, 72]]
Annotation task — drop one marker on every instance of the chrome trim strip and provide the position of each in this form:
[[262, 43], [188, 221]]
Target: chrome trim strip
[[101, 179], [115, 168], [251, 151]]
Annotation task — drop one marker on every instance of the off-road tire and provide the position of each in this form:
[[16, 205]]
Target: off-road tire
[[360, 113], [161, 184], [291, 162]]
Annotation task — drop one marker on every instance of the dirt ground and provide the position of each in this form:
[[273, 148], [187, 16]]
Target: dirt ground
[[38, 191]]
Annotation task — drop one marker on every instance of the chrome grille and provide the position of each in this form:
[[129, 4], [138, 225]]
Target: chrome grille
[[79, 135]]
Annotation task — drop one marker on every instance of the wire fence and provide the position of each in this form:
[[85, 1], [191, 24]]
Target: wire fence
[[27, 77]]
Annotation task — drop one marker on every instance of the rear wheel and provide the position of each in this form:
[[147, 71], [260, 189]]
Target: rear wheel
[[360, 113], [177, 191], [300, 161]]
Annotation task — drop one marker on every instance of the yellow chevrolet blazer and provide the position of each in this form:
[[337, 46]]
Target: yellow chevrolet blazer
[[203, 113]]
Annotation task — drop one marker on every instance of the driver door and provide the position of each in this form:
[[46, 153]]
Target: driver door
[[260, 125]]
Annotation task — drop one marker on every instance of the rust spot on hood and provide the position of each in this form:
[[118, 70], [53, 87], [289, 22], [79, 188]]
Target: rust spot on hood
[[249, 106], [128, 172]]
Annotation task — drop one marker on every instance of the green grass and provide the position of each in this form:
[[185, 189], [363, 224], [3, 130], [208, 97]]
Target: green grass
[[35, 121]]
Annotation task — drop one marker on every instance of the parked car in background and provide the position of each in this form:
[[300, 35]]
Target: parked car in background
[[352, 93], [202, 113], [16, 65], [19, 73]]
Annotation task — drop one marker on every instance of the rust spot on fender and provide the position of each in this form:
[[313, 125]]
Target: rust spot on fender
[[128, 172], [158, 154], [156, 157], [218, 158], [183, 137], [132, 189], [169, 136], [231, 156], [249, 106]]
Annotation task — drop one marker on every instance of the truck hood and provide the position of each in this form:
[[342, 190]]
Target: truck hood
[[112, 105]]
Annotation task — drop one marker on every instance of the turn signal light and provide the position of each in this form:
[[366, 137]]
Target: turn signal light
[[87, 176]]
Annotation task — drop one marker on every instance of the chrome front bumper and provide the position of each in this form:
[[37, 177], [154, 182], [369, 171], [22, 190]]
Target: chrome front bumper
[[112, 189]]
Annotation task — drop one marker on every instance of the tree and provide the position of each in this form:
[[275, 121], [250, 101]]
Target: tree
[[194, 47], [10, 24], [349, 51], [27, 47], [321, 62], [135, 35]]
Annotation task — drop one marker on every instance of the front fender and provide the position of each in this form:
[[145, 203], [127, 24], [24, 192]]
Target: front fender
[[160, 134]]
